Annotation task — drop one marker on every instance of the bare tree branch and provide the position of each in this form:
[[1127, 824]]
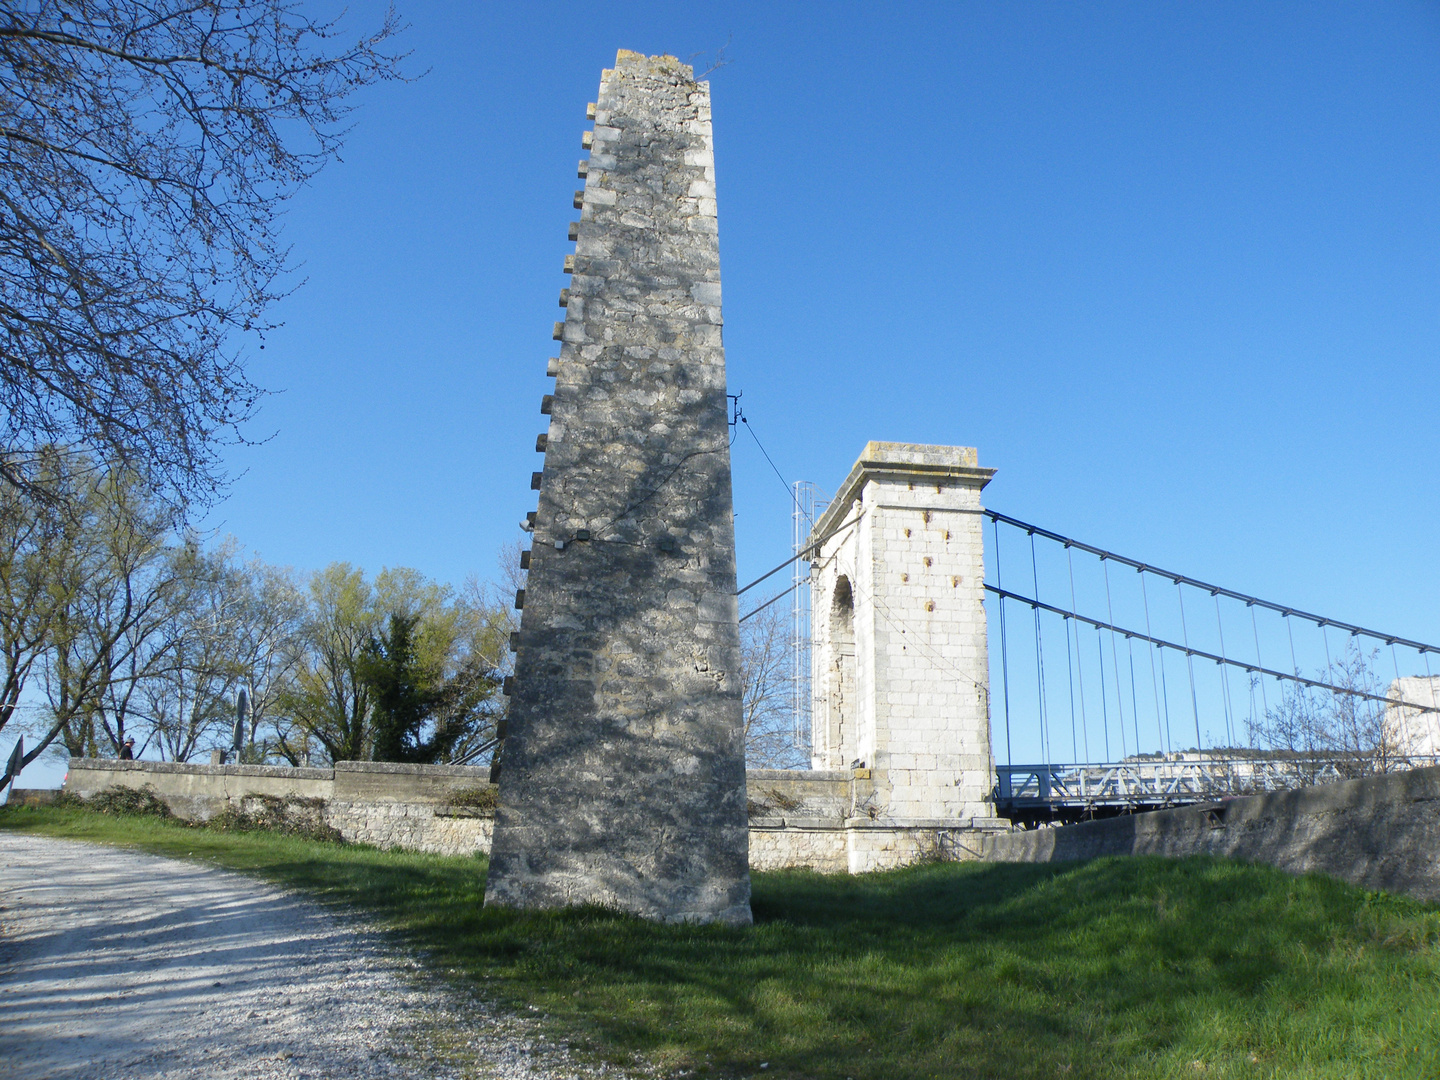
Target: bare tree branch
[[146, 150], [766, 688]]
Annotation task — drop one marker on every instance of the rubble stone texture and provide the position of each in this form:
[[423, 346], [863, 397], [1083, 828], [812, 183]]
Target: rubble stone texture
[[622, 777]]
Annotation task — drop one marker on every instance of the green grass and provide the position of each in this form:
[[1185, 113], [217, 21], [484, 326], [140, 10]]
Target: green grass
[[1114, 968]]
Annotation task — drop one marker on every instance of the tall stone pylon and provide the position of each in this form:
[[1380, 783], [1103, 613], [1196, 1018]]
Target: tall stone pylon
[[622, 771]]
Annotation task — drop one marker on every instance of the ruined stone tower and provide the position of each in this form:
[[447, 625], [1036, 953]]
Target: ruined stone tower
[[622, 773]]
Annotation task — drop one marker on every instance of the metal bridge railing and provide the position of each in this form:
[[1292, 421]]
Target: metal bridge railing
[[1073, 792]]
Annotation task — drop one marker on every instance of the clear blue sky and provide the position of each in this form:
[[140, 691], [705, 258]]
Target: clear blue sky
[[1173, 268]]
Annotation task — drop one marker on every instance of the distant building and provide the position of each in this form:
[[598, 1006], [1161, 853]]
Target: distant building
[[1410, 730]]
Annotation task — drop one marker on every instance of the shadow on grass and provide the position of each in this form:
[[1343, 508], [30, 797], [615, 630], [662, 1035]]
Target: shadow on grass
[[1117, 967]]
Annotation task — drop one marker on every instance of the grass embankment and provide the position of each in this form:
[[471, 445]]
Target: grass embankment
[[1115, 968]]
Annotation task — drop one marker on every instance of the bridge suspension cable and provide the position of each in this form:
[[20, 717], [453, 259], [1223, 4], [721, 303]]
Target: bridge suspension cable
[[1335, 703], [1336, 717], [1214, 590], [1316, 684]]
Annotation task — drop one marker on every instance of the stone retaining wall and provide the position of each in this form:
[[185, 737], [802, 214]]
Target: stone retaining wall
[[861, 845], [32, 796], [1382, 832], [380, 803], [801, 818]]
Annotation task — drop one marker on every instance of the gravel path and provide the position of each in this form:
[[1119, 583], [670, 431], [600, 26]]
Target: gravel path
[[115, 965]]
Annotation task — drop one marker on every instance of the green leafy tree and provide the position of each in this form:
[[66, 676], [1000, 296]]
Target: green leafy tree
[[113, 626], [435, 653], [402, 702], [36, 536], [118, 583], [90, 583], [421, 712], [325, 700]]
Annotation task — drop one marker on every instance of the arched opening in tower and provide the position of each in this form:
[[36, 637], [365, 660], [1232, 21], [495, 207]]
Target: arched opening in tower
[[842, 698]]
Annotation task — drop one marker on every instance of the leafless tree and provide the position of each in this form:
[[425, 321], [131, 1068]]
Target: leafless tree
[[488, 658], [35, 539], [767, 684], [268, 608], [188, 671], [1320, 729], [121, 584], [146, 149]]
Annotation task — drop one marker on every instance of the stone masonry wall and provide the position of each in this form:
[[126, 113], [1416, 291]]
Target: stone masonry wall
[[1381, 832], [411, 827], [778, 845], [797, 818], [902, 548], [386, 805], [622, 774], [931, 713]]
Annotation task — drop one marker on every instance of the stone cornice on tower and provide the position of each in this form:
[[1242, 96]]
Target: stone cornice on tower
[[900, 461]]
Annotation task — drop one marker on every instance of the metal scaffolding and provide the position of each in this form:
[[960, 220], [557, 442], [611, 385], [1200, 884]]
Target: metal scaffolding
[[810, 502]]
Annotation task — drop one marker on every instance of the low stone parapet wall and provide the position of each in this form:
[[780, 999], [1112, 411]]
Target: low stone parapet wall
[[414, 807], [800, 818], [800, 793], [198, 792], [860, 845], [1382, 832], [32, 797]]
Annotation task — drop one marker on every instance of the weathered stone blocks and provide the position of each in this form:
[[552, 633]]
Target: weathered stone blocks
[[388, 805], [622, 775], [1379, 832], [900, 668]]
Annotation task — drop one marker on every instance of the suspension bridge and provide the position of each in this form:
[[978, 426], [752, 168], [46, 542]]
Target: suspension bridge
[[1192, 717], [1096, 663], [1193, 720]]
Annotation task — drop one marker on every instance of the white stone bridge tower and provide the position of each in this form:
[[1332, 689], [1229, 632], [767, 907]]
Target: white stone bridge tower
[[900, 671]]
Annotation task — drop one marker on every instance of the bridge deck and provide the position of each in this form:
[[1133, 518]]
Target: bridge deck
[[1037, 794]]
